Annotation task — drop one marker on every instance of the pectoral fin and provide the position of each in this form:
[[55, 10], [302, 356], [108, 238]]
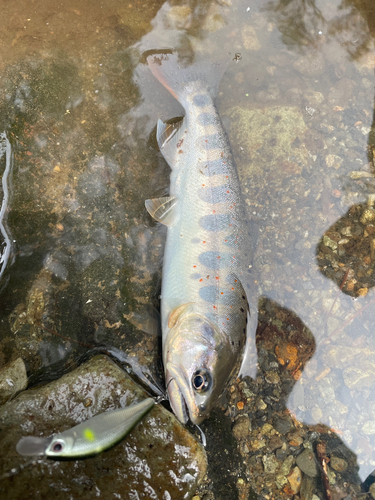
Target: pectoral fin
[[161, 209], [174, 315]]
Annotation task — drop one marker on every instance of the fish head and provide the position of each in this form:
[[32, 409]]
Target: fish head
[[198, 362]]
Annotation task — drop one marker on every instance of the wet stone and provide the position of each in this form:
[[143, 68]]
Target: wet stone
[[281, 481], [310, 64], [158, 459], [270, 463], [360, 378], [295, 479], [287, 465], [281, 454], [242, 427], [282, 426], [338, 464], [249, 38], [272, 377], [369, 428], [306, 462], [13, 379], [307, 488], [275, 442]]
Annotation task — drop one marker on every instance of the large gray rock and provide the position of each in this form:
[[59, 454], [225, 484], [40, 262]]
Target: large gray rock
[[13, 379], [158, 459]]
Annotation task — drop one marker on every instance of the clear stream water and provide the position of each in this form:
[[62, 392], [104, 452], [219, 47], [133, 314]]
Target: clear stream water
[[81, 259]]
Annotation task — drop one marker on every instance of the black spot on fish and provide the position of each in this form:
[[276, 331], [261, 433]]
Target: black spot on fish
[[242, 309]]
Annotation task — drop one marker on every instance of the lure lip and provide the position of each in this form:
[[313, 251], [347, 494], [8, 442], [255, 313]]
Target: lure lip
[[29, 446], [181, 396]]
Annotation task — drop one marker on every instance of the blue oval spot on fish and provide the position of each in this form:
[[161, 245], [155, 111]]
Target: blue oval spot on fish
[[215, 260], [215, 222], [202, 100], [215, 167]]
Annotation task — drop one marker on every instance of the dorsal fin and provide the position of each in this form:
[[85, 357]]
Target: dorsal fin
[[170, 138], [161, 209]]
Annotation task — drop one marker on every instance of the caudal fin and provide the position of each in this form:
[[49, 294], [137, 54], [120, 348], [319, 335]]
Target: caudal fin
[[178, 78]]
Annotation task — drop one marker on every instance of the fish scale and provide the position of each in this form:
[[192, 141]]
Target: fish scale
[[204, 258]]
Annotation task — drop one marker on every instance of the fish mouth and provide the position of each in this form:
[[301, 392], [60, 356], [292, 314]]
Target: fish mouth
[[180, 397]]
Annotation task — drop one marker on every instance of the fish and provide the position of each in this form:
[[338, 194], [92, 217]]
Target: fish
[[90, 437], [204, 305]]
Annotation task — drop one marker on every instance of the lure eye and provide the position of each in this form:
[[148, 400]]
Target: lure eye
[[201, 381], [57, 447]]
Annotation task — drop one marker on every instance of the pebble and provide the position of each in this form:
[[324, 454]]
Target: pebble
[[281, 454], [270, 464], [369, 428], [282, 426], [272, 377], [295, 479], [287, 465], [261, 405], [275, 442], [339, 464], [249, 38], [310, 64], [179, 16], [280, 481], [360, 378], [317, 414], [368, 215], [306, 462], [242, 427]]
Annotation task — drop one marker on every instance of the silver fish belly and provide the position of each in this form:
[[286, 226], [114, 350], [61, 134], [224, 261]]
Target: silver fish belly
[[203, 301]]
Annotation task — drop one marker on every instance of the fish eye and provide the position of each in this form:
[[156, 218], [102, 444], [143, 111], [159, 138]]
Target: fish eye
[[201, 380], [57, 447]]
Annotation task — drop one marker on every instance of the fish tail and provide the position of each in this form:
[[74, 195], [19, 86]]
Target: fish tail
[[178, 78]]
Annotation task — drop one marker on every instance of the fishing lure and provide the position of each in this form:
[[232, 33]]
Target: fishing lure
[[90, 437]]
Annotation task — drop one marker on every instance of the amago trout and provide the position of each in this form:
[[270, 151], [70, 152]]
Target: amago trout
[[204, 307]]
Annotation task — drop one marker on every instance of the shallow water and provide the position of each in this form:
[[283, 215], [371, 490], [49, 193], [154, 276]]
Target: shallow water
[[81, 259]]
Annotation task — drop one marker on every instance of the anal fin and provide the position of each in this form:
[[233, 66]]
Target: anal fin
[[161, 209]]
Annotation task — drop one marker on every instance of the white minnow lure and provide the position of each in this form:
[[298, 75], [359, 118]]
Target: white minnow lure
[[204, 306], [90, 437]]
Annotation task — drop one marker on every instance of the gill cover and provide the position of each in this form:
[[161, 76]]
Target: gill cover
[[198, 362]]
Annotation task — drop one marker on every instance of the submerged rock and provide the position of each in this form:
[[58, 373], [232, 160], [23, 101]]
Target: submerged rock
[[264, 139], [158, 459]]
